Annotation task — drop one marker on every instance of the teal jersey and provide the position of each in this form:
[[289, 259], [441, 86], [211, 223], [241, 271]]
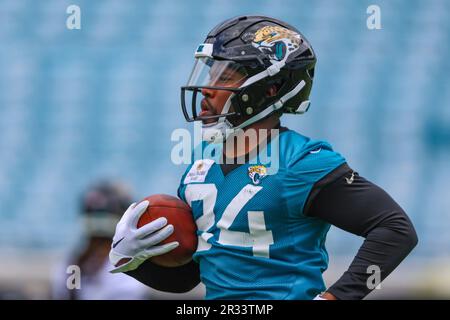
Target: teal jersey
[[254, 240]]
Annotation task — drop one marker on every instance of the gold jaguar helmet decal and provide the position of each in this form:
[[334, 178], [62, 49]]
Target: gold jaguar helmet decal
[[276, 41]]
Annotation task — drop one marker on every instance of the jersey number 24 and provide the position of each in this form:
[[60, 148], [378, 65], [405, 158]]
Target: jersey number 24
[[259, 238]]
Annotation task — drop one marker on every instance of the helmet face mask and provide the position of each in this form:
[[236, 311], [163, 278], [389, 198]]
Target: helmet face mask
[[244, 57], [222, 76]]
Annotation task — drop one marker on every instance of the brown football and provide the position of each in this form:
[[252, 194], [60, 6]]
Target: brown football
[[179, 214]]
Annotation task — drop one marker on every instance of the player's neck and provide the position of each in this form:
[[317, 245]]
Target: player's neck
[[247, 140]]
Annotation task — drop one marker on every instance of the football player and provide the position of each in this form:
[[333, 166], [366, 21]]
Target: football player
[[101, 207], [262, 233]]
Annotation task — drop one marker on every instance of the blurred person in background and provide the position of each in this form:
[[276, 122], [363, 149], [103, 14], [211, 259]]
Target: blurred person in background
[[101, 207]]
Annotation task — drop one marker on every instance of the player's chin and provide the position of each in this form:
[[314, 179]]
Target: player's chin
[[205, 120], [208, 122]]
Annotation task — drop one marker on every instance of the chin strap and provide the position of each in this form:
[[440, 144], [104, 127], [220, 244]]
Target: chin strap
[[270, 71], [222, 129], [273, 107]]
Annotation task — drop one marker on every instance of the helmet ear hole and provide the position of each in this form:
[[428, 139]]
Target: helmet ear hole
[[274, 87], [272, 90]]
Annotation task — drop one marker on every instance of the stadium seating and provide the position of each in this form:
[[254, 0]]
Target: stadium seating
[[77, 105]]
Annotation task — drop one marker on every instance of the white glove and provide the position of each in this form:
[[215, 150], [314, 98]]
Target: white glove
[[137, 245]]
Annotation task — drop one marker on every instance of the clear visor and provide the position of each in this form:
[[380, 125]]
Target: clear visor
[[209, 75], [208, 72]]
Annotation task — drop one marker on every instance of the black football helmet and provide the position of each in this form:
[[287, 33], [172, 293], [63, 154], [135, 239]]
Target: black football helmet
[[102, 205], [263, 52]]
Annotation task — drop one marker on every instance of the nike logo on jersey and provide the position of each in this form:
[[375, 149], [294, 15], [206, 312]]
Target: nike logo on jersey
[[117, 242], [350, 180]]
